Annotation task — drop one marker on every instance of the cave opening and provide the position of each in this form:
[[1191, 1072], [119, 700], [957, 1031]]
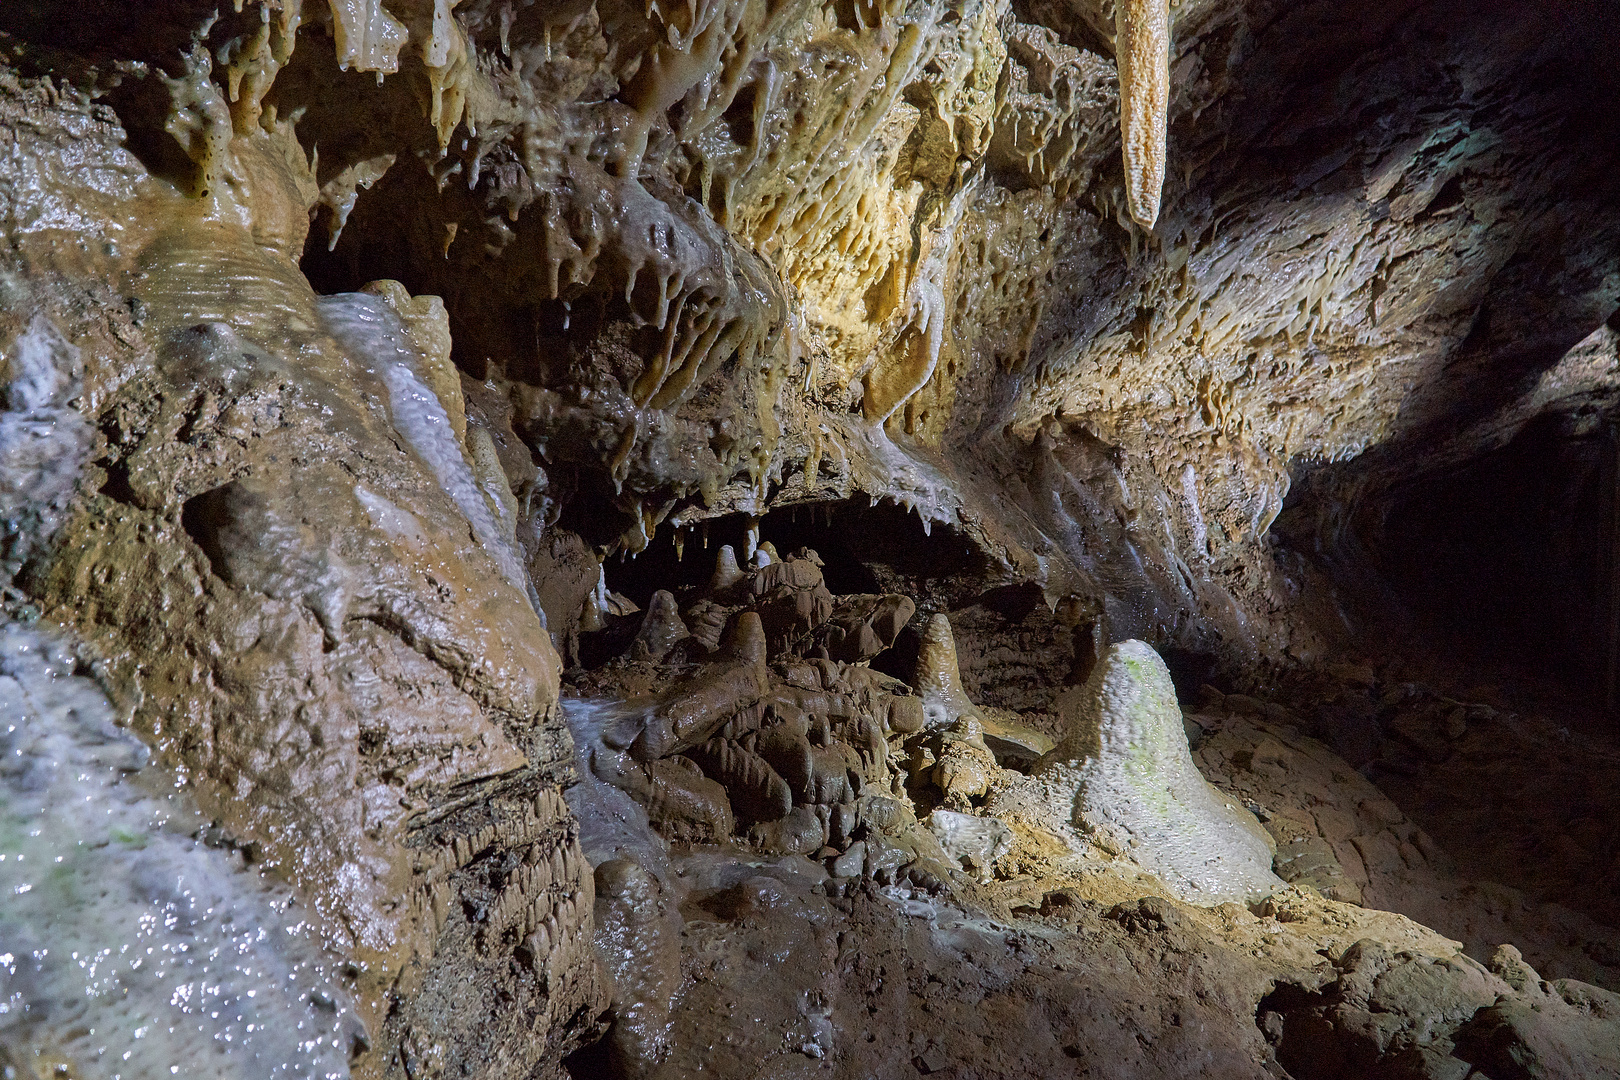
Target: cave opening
[[867, 548]]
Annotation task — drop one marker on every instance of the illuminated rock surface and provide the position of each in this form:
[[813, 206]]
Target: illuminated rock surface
[[130, 946], [1124, 772]]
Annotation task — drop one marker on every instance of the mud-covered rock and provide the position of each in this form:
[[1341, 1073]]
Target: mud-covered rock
[[1392, 1014]]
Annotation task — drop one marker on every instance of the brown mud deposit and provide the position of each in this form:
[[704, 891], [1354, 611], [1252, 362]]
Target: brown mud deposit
[[979, 538]]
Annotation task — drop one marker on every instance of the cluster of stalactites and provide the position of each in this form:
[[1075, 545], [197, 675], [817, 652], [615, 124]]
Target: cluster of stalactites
[[366, 37]]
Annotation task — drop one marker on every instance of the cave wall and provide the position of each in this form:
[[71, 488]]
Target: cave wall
[[278, 591], [1377, 220]]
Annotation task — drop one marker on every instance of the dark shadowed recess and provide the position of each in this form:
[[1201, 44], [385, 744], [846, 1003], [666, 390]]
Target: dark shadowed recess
[[1498, 569], [1508, 558], [864, 549]]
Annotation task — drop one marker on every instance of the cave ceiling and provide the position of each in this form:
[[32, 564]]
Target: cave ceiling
[[708, 253]]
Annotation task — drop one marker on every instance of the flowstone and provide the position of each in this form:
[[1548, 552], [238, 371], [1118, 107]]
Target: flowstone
[[1126, 775]]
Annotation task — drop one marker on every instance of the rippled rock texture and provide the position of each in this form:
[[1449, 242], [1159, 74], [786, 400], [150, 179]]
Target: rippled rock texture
[[802, 398]]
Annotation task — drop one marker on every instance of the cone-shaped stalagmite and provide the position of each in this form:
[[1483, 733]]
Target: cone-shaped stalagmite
[[726, 570], [662, 627], [590, 614], [1142, 53], [745, 639], [938, 678], [939, 682], [1125, 774]]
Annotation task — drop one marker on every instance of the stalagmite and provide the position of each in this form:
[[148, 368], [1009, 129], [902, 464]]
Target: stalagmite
[[938, 679], [726, 570], [746, 639], [751, 538], [662, 627], [1125, 775], [596, 603], [1142, 51]]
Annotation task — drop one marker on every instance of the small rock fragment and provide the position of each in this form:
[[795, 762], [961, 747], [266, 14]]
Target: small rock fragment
[[974, 842]]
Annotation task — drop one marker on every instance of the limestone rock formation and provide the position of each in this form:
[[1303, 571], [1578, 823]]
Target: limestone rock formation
[[1142, 49], [939, 680], [1125, 775], [295, 587], [99, 860]]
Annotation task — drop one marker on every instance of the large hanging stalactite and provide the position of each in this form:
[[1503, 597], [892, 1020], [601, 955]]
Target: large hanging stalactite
[[1142, 51]]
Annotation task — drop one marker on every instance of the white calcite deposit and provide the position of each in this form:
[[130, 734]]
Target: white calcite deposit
[[1125, 775]]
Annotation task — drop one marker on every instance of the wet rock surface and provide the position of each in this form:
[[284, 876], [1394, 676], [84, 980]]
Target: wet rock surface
[[284, 597], [1125, 774], [935, 932]]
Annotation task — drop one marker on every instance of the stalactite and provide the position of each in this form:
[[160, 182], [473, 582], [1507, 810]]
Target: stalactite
[[368, 37], [200, 120], [445, 55], [1142, 51]]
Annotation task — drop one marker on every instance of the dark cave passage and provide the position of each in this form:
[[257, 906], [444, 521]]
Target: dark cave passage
[[1478, 601], [1507, 559]]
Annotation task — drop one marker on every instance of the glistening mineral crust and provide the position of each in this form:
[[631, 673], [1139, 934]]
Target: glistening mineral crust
[[1124, 773]]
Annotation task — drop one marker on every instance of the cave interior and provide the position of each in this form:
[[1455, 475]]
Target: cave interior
[[978, 538]]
